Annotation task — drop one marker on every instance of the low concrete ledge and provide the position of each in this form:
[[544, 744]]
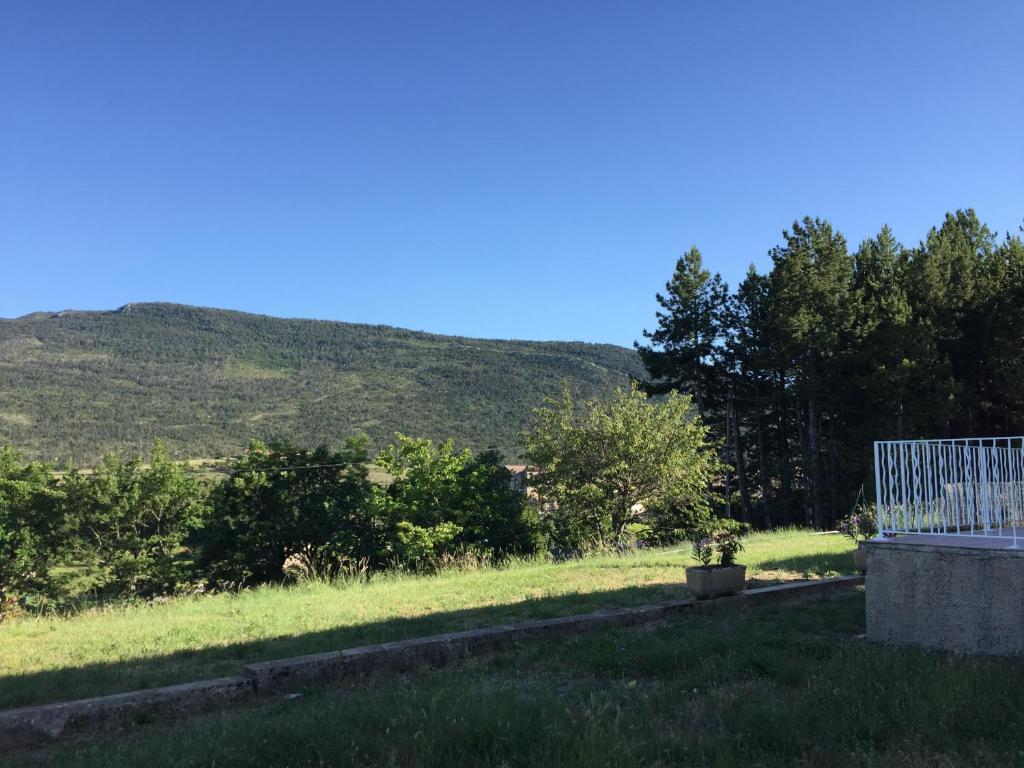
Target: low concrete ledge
[[951, 545], [44, 723], [779, 592], [39, 724], [435, 650]]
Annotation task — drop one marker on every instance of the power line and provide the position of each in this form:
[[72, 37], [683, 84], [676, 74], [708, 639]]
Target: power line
[[287, 469]]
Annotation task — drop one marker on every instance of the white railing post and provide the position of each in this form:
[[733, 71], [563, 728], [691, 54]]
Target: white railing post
[[878, 490]]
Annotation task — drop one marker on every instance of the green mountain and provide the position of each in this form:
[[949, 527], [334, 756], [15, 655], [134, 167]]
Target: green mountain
[[74, 385]]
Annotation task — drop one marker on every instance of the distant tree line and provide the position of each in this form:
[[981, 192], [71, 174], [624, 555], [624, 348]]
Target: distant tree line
[[799, 370], [604, 474]]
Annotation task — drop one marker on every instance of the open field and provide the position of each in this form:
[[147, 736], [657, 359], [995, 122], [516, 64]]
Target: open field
[[786, 685], [138, 646]]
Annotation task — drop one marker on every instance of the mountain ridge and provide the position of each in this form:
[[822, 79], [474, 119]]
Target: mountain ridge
[[172, 305]]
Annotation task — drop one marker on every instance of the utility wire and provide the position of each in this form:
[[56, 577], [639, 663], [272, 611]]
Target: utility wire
[[285, 469]]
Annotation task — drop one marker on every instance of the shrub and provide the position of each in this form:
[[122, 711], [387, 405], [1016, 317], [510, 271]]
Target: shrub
[[466, 501], [860, 524], [720, 536], [31, 527], [424, 548], [132, 520], [664, 525], [283, 504]]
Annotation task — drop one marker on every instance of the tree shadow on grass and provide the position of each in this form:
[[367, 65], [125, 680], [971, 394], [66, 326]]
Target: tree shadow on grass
[[151, 671]]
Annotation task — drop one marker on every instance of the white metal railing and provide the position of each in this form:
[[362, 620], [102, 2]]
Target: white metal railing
[[965, 487]]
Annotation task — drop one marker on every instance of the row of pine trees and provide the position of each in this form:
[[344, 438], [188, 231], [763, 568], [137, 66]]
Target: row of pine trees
[[799, 370]]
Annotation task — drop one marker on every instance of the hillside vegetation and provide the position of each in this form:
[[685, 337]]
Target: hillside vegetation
[[74, 385]]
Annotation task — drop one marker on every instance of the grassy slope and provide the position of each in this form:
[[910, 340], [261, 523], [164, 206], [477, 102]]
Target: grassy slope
[[774, 687], [206, 380], [123, 648]]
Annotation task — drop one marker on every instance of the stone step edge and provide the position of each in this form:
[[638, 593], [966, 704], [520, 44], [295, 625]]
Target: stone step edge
[[43, 723]]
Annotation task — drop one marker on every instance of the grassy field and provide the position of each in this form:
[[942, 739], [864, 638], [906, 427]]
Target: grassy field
[[138, 646], [786, 685]]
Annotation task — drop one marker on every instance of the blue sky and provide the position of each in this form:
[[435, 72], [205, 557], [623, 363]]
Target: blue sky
[[499, 169]]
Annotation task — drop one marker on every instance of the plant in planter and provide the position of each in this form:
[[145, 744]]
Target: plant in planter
[[859, 525], [725, 577]]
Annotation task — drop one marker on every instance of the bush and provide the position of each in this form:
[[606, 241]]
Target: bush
[[454, 500], [285, 504], [132, 520], [142, 528], [423, 548], [31, 527], [860, 524], [670, 524]]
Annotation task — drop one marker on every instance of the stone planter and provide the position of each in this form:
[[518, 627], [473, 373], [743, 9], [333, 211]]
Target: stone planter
[[715, 580], [860, 560]]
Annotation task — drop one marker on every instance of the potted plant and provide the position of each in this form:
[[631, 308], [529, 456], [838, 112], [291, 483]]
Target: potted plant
[[724, 578], [859, 525]]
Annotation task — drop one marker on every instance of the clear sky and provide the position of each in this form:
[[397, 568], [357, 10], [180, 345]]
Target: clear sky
[[500, 169]]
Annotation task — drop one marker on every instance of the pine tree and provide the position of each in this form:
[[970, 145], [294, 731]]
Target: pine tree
[[685, 350]]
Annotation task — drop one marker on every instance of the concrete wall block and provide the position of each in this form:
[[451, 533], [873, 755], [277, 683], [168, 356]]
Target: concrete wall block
[[282, 674], [40, 724], [966, 600]]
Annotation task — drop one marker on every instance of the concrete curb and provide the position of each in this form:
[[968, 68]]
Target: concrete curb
[[44, 723]]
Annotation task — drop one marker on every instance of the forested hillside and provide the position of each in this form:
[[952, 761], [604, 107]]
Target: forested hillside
[[74, 385]]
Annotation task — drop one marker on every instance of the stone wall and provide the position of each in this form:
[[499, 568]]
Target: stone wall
[[961, 599]]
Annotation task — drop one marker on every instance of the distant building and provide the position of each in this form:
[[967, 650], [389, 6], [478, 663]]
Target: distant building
[[519, 478]]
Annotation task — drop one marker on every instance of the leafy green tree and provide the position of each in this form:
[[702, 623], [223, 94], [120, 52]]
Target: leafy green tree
[[30, 526], [284, 503], [454, 500], [133, 519], [601, 465]]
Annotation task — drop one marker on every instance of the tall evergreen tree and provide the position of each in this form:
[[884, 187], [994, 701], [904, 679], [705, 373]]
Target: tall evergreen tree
[[684, 352], [950, 287], [1006, 357], [750, 359], [814, 308], [830, 351]]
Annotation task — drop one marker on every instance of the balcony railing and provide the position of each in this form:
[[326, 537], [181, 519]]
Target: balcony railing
[[964, 487]]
